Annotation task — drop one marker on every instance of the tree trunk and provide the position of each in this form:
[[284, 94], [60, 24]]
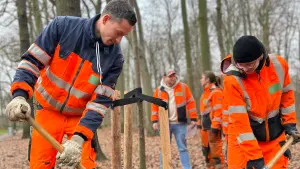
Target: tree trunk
[[205, 52], [146, 76], [189, 65], [45, 9], [68, 8], [100, 156], [219, 28], [264, 21], [137, 59], [24, 45], [37, 16]]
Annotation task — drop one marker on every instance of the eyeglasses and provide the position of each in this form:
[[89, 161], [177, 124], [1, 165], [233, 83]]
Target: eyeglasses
[[248, 64]]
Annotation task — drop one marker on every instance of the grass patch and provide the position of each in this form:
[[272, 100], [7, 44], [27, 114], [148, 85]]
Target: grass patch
[[3, 131]]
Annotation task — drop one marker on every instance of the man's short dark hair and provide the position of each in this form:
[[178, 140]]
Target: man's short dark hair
[[120, 9]]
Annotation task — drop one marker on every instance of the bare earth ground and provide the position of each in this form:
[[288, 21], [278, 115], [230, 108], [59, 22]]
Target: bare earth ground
[[13, 152]]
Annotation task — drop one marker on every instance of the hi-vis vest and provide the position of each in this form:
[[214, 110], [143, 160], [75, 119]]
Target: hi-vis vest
[[184, 102]]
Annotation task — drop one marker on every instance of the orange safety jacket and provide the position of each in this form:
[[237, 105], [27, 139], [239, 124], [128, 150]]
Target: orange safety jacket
[[225, 117], [261, 105], [211, 108], [184, 99], [76, 72]]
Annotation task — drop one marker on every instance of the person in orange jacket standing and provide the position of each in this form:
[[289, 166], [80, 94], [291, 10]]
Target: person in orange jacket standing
[[211, 120], [261, 103], [71, 69], [181, 104]]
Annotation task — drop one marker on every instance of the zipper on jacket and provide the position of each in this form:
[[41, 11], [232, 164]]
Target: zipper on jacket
[[266, 118], [73, 81]]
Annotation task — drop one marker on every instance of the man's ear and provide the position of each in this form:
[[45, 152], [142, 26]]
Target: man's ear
[[106, 18]]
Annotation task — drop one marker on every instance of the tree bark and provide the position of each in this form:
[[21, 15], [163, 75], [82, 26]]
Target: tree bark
[[142, 148], [24, 45], [45, 9], [205, 51], [146, 76], [37, 16], [189, 65], [68, 8], [219, 27]]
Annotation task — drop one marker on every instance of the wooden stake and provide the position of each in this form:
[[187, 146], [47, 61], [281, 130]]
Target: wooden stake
[[165, 138], [116, 135], [128, 137]]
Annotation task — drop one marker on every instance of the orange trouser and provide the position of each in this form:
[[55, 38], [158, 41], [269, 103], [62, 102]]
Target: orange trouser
[[215, 144], [42, 154], [205, 145], [238, 160]]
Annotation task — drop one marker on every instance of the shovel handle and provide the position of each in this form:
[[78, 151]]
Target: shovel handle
[[45, 134], [279, 153]]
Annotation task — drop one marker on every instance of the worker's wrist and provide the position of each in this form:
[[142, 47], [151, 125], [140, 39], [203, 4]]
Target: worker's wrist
[[155, 121], [80, 135], [78, 139], [20, 92]]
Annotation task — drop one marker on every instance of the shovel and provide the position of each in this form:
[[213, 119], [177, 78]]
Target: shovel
[[45, 134]]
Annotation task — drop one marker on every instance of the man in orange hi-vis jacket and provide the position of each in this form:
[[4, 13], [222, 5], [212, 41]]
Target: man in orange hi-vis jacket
[[71, 69], [181, 104], [211, 120], [261, 103]]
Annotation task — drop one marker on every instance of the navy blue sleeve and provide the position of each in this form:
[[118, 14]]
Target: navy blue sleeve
[[36, 58]]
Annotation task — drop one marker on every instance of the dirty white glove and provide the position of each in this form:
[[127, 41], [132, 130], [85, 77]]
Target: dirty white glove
[[71, 155], [13, 109]]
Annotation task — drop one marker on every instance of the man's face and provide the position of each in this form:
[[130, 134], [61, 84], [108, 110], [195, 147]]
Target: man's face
[[170, 80], [204, 81], [112, 31], [249, 67]]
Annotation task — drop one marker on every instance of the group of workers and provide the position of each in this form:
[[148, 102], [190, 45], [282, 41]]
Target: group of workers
[[72, 68], [251, 106]]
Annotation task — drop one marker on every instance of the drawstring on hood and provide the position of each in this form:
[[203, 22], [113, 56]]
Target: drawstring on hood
[[98, 61]]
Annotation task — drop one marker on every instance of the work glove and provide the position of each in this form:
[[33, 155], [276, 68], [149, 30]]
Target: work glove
[[295, 134], [155, 126], [256, 164], [13, 109], [71, 155]]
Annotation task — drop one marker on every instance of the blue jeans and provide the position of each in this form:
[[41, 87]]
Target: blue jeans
[[179, 131]]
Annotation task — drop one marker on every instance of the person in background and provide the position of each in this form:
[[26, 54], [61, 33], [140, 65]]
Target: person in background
[[211, 120], [181, 104]]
